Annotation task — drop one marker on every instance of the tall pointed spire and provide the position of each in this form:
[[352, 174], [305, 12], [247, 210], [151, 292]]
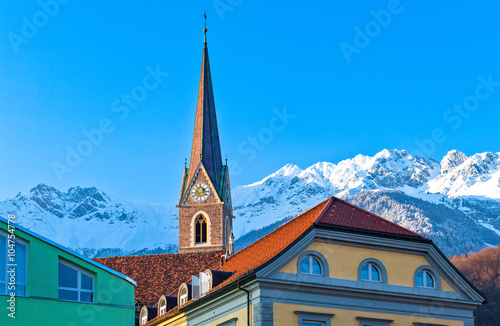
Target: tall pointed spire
[[206, 145], [205, 209]]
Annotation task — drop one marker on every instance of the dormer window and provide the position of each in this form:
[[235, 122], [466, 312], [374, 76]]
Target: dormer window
[[144, 317], [201, 229], [183, 296], [162, 306]]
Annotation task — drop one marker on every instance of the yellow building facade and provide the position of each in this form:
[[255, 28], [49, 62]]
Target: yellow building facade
[[333, 265]]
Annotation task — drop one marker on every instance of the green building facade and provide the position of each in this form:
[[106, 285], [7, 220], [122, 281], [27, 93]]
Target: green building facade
[[43, 283]]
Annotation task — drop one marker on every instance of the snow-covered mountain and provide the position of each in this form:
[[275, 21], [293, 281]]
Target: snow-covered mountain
[[93, 223], [455, 202], [403, 188]]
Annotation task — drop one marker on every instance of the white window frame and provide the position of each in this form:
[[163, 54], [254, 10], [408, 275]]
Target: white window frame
[[311, 257], [370, 276], [183, 298], [79, 289], [426, 272], [144, 317], [6, 235], [162, 309]]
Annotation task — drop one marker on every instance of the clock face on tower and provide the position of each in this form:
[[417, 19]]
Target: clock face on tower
[[200, 192]]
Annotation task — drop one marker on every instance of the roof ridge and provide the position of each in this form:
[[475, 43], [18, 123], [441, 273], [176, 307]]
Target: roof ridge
[[326, 208], [377, 217]]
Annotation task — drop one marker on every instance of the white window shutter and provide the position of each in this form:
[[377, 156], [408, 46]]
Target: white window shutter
[[195, 286], [205, 282]]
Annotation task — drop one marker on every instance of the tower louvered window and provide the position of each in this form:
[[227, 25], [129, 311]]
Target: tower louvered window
[[201, 229]]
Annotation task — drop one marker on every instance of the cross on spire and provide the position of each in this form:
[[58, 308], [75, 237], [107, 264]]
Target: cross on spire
[[205, 29]]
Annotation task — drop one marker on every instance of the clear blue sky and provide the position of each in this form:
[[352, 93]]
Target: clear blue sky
[[398, 88]]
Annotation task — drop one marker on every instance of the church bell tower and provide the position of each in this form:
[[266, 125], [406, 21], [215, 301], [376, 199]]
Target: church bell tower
[[205, 210]]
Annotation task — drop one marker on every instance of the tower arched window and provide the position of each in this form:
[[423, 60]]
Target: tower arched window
[[201, 229]]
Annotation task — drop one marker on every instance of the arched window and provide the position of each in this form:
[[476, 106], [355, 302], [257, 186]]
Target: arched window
[[425, 279], [370, 272], [201, 229], [183, 296], [310, 265], [162, 306], [144, 316]]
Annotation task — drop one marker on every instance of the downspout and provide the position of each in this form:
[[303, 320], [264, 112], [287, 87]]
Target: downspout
[[248, 303]]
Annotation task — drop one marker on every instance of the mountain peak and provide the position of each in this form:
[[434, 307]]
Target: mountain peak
[[386, 153], [42, 188], [324, 168], [45, 192], [289, 170], [452, 160], [78, 194]]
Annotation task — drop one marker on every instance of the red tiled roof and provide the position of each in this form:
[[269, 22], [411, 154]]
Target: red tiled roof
[[158, 275], [266, 248], [332, 212], [343, 214]]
